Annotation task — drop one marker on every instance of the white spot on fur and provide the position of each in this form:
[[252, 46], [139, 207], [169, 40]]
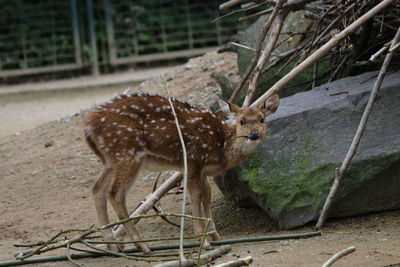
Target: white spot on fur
[[135, 107]]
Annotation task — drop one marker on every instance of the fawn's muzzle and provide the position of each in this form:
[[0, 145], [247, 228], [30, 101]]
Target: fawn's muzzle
[[254, 135]]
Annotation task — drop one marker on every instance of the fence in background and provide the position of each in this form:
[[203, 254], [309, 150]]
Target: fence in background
[[49, 36]]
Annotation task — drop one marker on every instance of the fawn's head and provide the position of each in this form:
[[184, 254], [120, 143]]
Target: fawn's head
[[250, 121]]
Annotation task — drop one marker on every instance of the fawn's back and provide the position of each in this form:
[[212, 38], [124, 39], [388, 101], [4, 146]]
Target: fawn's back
[[131, 127]]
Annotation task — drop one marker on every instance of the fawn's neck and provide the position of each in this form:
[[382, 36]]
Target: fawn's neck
[[237, 148]]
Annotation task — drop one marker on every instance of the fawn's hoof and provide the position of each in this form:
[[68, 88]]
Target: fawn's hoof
[[144, 248], [214, 236], [115, 247], [208, 247], [150, 252]]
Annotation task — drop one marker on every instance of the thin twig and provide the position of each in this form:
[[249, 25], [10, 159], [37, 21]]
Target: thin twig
[[70, 259], [143, 240], [356, 140], [203, 239], [123, 255], [339, 255], [185, 169]]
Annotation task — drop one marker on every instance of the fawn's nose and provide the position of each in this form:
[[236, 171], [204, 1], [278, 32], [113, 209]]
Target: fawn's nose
[[254, 135]]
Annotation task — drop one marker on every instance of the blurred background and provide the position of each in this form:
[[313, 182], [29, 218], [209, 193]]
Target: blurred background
[[97, 48]]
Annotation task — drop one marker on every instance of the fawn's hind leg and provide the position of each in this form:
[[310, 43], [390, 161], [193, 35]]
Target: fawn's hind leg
[[123, 177], [99, 194]]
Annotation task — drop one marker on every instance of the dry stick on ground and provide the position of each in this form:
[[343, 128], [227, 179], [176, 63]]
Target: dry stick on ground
[[261, 39], [50, 245], [356, 140], [204, 258], [185, 170], [322, 51], [338, 256], [275, 32], [159, 247], [237, 263], [86, 232]]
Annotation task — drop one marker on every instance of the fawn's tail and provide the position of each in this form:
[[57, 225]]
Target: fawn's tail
[[94, 148]]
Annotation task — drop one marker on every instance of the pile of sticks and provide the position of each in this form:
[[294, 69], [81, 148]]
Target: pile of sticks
[[359, 51]]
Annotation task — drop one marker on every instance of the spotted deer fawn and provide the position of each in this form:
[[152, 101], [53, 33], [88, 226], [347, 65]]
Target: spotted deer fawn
[[138, 131]]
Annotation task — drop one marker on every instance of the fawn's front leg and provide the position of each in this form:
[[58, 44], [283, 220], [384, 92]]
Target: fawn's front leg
[[206, 211], [195, 190]]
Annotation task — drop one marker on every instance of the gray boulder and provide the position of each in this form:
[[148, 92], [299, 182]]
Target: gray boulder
[[292, 170]]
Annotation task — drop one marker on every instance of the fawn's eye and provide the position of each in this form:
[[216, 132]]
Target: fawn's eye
[[262, 120], [242, 122]]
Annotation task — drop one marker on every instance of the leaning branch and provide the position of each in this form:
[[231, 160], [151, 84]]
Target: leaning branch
[[356, 140]]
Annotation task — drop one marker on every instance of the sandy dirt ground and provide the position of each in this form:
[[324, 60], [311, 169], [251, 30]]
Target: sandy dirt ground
[[46, 173]]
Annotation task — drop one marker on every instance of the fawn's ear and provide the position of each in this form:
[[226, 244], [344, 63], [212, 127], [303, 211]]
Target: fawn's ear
[[270, 105], [228, 109]]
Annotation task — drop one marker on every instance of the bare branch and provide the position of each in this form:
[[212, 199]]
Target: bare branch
[[261, 39], [276, 29], [356, 140]]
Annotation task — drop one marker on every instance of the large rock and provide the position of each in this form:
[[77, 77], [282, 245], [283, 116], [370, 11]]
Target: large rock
[[292, 170]]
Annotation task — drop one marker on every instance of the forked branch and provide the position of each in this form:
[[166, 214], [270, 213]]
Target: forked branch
[[261, 39], [265, 55]]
